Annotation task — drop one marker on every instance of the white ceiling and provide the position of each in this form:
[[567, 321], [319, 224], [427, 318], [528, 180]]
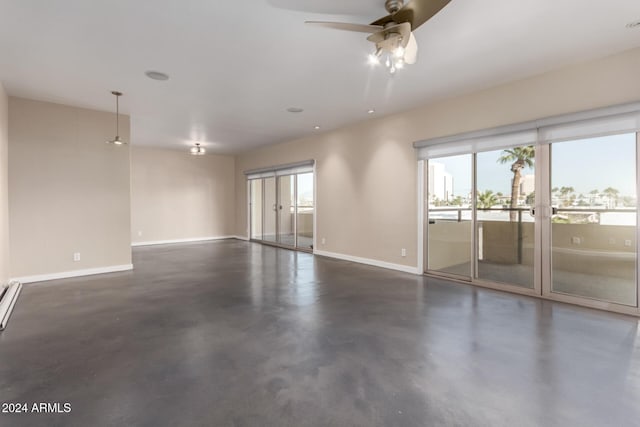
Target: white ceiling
[[236, 66]]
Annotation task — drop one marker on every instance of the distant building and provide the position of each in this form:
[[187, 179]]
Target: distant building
[[440, 182], [527, 185]]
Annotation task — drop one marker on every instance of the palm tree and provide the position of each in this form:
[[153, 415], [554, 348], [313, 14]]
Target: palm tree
[[519, 157], [486, 199], [566, 194], [531, 199], [612, 195]]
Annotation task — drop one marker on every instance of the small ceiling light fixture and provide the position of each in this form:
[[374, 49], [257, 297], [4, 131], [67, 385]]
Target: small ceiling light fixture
[[316, 127], [295, 110], [371, 111], [197, 150], [157, 75], [632, 25], [117, 140]]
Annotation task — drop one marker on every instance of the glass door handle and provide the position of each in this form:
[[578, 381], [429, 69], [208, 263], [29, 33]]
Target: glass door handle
[[532, 211], [554, 210]]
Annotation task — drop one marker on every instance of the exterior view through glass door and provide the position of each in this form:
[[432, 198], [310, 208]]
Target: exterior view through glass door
[[594, 219], [269, 212], [286, 210], [281, 208], [557, 219], [505, 227], [449, 225], [503, 247], [305, 210], [255, 201]]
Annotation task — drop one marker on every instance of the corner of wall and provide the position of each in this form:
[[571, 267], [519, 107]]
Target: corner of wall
[[4, 186]]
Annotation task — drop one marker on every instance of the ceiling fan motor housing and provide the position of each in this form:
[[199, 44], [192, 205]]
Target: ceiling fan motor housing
[[393, 6]]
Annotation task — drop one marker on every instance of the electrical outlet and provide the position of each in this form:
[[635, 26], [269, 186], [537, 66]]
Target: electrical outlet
[[627, 243], [139, 233], [324, 241], [403, 252], [76, 256], [576, 240]]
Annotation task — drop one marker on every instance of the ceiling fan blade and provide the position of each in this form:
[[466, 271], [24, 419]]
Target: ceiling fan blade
[[415, 12], [362, 28], [411, 50]]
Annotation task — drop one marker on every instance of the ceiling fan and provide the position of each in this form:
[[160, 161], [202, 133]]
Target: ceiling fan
[[393, 34]]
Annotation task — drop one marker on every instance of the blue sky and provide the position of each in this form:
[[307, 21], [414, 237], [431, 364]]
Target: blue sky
[[585, 165]]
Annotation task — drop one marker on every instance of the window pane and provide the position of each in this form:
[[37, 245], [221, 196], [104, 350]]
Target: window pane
[[449, 215], [306, 209], [256, 208], [505, 228], [594, 229]]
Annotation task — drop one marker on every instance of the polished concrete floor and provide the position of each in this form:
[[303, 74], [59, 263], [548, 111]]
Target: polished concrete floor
[[232, 333]]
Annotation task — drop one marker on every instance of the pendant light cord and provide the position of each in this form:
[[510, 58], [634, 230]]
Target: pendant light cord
[[117, 116]]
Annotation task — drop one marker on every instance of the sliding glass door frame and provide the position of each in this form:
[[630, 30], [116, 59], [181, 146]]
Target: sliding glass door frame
[[473, 278], [542, 287], [279, 212], [547, 255]]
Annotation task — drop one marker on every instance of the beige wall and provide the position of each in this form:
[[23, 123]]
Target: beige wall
[[366, 173], [175, 195], [4, 187], [68, 190]]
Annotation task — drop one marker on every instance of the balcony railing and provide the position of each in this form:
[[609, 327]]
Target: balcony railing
[[569, 224], [557, 211]]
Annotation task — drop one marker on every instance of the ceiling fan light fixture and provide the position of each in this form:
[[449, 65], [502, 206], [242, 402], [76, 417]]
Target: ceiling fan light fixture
[[393, 34], [197, 150]]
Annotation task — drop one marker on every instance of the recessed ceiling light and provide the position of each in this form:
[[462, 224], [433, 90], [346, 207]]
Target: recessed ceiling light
[[316, 127], [635, 24], [157, 75], [371, 111], [295, 110]]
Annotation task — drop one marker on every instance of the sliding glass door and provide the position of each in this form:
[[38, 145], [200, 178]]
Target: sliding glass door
[[286, 210], [480, 216], [281, 209], [556, 219], [594, 219], [255, 211], [449, 198], [270, 210], [505, 225], [305, 210]]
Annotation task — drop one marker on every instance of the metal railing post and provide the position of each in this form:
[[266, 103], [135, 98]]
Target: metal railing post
[[519, 236]]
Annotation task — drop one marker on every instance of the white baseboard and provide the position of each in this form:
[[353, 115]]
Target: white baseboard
[[74, 273], [246, 239], [196, 239], [368, 261]]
